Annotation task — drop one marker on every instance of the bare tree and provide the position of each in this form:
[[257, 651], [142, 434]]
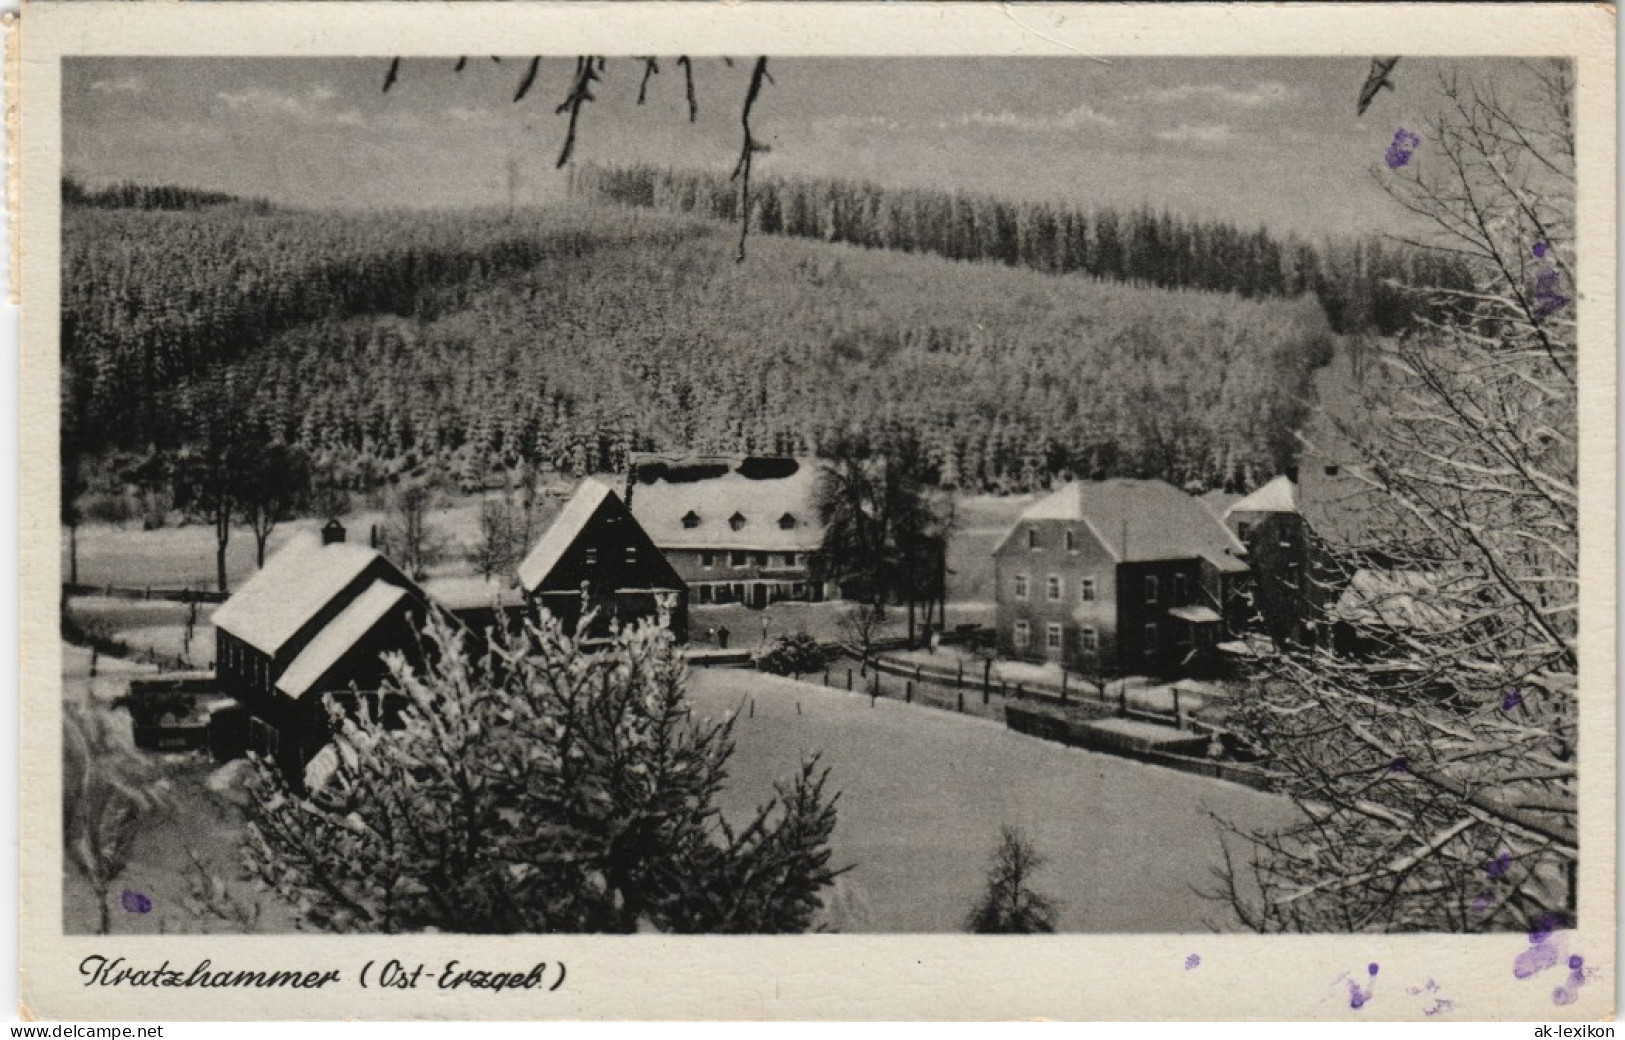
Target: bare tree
[[860, 623], [1428, 734], [504, 534], [410, 538]]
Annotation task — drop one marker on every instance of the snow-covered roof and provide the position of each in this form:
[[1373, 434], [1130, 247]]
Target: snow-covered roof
[[1278, 496], [338, 637], [1141, 520], [471, 592], [563, 532], [776, 510], [289, 590], [1407, 601], [1196, 615]]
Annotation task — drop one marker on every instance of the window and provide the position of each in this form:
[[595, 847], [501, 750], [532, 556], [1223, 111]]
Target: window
[[1032, 537], [787, 521], [736, 521], [1150, 637], [1181, 590], [1071, 546], [1023, 635], [761, 559], [691, 519], [789, 559], [1244, 530], [1150, 588], [1089, 640], [631, 554], [1052, 588], [1052, 636], [591, 557], [1087, 587], [739, 559], [707, 560], [1021, 586], [1331, 471]]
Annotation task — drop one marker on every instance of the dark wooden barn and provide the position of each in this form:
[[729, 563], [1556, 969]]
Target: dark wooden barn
[[596, 556]]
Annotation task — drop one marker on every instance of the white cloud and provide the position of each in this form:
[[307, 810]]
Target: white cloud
[[312, 109], [128, 85], [1268, 92], [1078, 118], [1210, 134]]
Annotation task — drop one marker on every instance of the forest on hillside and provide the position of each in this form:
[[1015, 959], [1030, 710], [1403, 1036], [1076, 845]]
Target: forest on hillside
[[455, 345], [1364, 284]]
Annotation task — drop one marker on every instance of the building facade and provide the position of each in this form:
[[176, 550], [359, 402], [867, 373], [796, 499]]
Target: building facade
[[595, 557], [737, 530], [315, 622], [1119, 577]]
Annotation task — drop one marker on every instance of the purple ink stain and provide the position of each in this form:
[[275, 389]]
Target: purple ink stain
[[1539, 249], [1548, 300], [1359, 995], [1499, 866], [1577, 962], [1398, 765], [1565, 995], [1482, 901], [1511, 700], [1537, 958], [1399, 152], [135, 902], [1545, 925], [1192, 961]]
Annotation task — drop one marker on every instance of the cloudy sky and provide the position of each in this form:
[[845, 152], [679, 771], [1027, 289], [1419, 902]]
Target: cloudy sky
[[1256, 141]]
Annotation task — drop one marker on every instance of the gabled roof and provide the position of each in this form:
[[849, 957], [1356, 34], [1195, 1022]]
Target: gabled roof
[[566, 528], [1139, 520], [1278, 496], [289, 590], [338, 637], [723, 489]]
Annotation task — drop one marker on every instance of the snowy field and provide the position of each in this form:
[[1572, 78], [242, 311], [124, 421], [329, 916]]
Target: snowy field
[[924, 793]]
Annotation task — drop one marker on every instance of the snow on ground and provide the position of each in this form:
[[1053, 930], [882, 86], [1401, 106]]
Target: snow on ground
[[924, 793]]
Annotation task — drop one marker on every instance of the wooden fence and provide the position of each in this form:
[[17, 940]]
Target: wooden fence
[[145, 592]]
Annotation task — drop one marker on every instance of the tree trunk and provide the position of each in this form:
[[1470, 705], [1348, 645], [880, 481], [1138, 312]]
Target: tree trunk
[[222, 535], [260, 538], [73, 554]]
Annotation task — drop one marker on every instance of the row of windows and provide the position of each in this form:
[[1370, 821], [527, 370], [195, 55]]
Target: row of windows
[[1069, 542], [1088, 638], [1053, 586], [745, 559], [590, 556], [692, 520], [1087, 593], [254, 667]]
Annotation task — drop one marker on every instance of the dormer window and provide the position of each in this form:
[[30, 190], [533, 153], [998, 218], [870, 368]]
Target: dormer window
[[591, 557], [1032, 537], [736, 521], [1332, 471], [787, 521], [1071, 545], [691, 519]]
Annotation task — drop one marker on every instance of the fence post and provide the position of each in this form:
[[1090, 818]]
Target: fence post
[[961, 702], [908, 691], [826, 675], [959, 680], [1122, 700], [1179, 719], [1063, 685], [1020, 691], [916, 673], [849, 680]]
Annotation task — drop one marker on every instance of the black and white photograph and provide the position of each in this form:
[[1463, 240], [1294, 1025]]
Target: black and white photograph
[[780, 494]]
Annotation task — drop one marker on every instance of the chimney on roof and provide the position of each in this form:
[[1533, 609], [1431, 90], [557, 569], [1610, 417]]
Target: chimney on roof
[[333, 532]]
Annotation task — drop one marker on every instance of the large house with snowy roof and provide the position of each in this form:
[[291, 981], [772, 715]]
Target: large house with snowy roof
[[595, 556], [1119, 577], [316, 620], [737, 529]]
